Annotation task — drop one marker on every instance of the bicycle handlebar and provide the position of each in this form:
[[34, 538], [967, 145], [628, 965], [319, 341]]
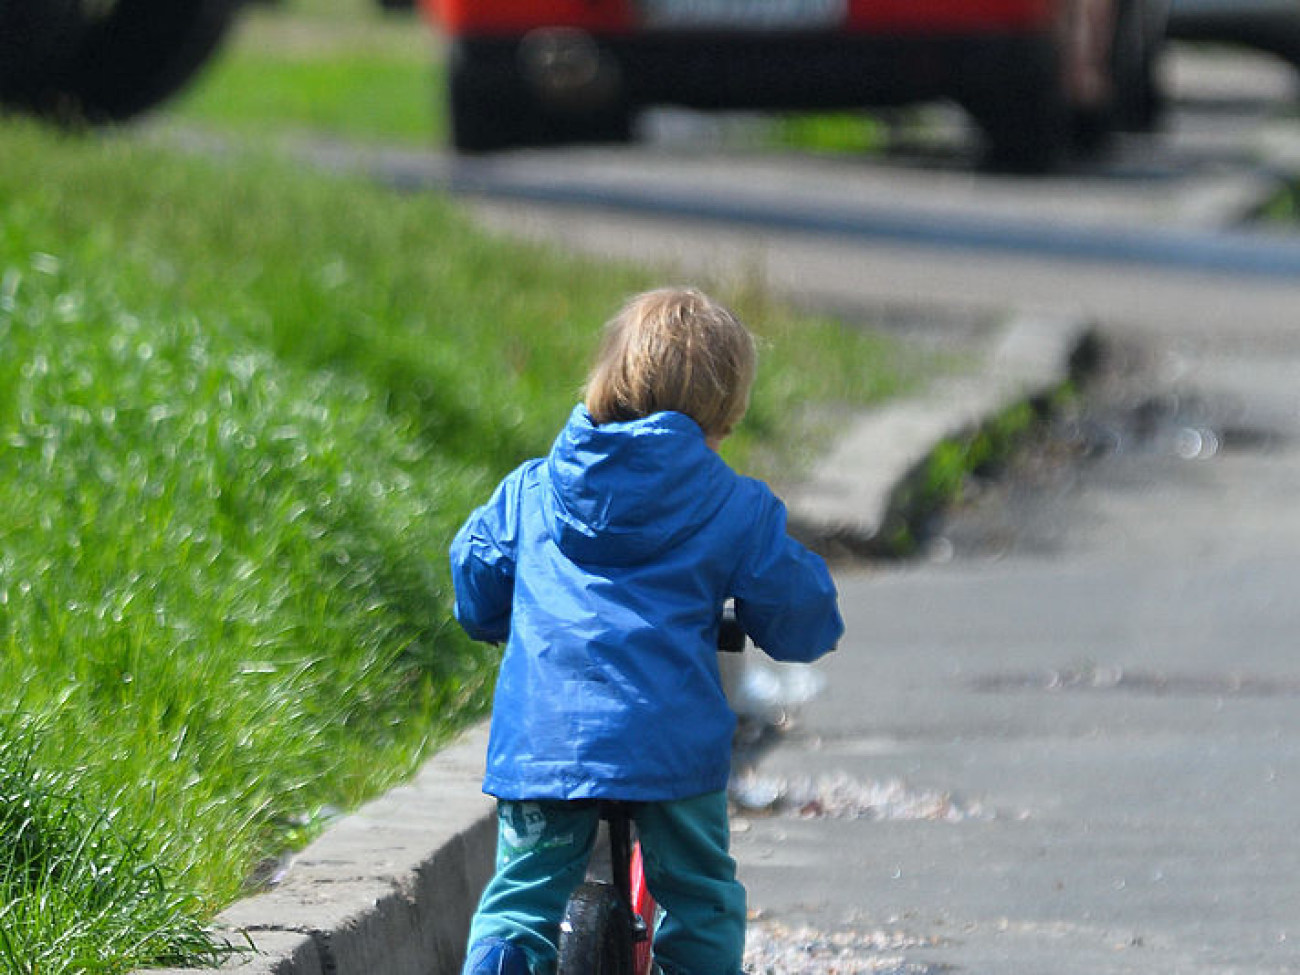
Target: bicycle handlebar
[[731, 636]]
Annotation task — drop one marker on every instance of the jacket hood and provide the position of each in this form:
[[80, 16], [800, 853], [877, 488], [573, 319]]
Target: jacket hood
[[621, 493]]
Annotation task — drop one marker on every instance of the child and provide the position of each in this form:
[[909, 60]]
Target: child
[[605, 567]]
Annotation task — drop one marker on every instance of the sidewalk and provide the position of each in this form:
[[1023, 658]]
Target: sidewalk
[[1075, 750], [390, 889]]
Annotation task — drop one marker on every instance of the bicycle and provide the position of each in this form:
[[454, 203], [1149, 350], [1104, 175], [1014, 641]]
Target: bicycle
[[609, 921]]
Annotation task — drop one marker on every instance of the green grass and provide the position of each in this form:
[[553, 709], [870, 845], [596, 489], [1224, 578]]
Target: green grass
[[242, 410], [353, 96], [1281, 210], [323, 67], [220, 568], [848, 133], [944, 476], [66, 857]]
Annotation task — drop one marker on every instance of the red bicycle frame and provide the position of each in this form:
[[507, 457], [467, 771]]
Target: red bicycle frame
[[644, 906]]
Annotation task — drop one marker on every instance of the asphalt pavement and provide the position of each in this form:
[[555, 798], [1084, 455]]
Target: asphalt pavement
[[1070, 745]]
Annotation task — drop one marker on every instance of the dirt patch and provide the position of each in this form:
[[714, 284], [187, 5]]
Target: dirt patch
[[840, 796], [776, 949]]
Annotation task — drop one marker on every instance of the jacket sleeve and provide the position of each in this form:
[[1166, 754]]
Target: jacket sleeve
[[785, 597], [483, 564]]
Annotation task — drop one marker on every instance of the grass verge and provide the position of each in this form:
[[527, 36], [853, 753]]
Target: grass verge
[[242, 410], [1281, 211], [944, 477], [337, 67], [67, 859]]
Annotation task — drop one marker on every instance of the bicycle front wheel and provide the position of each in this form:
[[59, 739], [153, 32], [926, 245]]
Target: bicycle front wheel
[[596, 933]]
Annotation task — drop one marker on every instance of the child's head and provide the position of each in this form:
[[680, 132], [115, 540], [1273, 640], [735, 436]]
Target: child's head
[[674, 349]]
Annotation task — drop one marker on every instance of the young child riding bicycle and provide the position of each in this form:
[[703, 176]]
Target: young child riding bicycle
[[605, 567]]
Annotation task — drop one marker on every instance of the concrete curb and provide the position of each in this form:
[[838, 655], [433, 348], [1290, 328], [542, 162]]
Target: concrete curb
[[391, 888], [855, 491]]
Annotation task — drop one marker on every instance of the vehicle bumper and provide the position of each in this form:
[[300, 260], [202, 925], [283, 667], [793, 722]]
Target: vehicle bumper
[[759, 70]]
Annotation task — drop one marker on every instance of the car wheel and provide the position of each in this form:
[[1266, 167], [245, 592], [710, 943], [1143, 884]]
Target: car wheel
[[35, 39], [1090, 81], [608, 125], [1025, 121], [121, 57], [1139, 40], [1275, 33], [486, 100], [494, 106]]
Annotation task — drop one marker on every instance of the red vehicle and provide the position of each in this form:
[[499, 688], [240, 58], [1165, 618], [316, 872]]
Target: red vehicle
[[1034, 74]]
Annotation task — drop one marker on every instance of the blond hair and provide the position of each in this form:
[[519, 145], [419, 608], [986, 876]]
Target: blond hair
[[673, 349]]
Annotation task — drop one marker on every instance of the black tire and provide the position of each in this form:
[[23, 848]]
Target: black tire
[[1026, 120], [487, 103], [1277, 34], [35, 38], [596, 935], [1135, 102], [119, 59], [492, 107], [1135, 53]]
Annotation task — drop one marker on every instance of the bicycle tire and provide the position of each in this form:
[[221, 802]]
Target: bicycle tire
[[596, 934]]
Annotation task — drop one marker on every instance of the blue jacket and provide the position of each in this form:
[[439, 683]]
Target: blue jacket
[[605, 567]]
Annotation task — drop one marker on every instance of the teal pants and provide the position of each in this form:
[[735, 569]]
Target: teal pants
[[542, 852]]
